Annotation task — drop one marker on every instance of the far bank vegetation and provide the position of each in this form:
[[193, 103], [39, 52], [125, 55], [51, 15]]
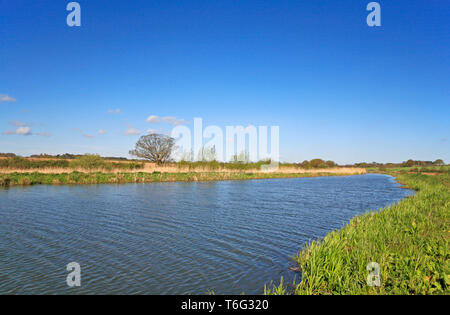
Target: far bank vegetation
[[155, 153], [96, 163]]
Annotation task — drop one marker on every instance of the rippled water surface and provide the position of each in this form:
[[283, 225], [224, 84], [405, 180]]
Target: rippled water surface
[[173, 238]]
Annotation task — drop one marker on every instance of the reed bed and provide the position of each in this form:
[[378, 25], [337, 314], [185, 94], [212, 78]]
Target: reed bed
[[152, 167]]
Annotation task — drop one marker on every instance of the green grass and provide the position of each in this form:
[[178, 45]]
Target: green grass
[[409, 241], [445, 169]]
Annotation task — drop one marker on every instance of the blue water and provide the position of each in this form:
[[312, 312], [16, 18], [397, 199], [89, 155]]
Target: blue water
[[173, 238]]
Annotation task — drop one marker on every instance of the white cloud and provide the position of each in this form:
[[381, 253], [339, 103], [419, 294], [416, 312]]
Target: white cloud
[[114, 111], [102, 132], [132, 131], [22, 131], [6, 98], [153, 119]]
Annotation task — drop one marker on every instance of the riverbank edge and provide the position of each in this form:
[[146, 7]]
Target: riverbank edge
[[407, 240], [80, 178]]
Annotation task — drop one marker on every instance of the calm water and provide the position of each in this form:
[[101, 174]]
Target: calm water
[[173, 238]]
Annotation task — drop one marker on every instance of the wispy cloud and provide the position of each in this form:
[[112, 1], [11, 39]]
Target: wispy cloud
[[44, 134], [159, 131], [102, 132], [85, 135], [153, 119], [114, 111], [18, 123], [6, 98], [132, 131], [174, 121]]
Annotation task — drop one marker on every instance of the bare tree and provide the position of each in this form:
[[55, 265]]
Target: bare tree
[[154, 147], [207, 154]]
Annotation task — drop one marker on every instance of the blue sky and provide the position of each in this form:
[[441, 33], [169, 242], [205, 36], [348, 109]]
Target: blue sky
[[337, 88]]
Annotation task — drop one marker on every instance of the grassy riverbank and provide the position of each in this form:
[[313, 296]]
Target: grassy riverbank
[[74, 178], [408, 240]]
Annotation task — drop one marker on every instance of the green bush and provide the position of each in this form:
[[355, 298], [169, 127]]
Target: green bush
[[22, 163], [90, 162], [317, 163]]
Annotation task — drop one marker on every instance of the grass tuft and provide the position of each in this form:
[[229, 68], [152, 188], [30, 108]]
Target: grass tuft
[[409, 241]]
